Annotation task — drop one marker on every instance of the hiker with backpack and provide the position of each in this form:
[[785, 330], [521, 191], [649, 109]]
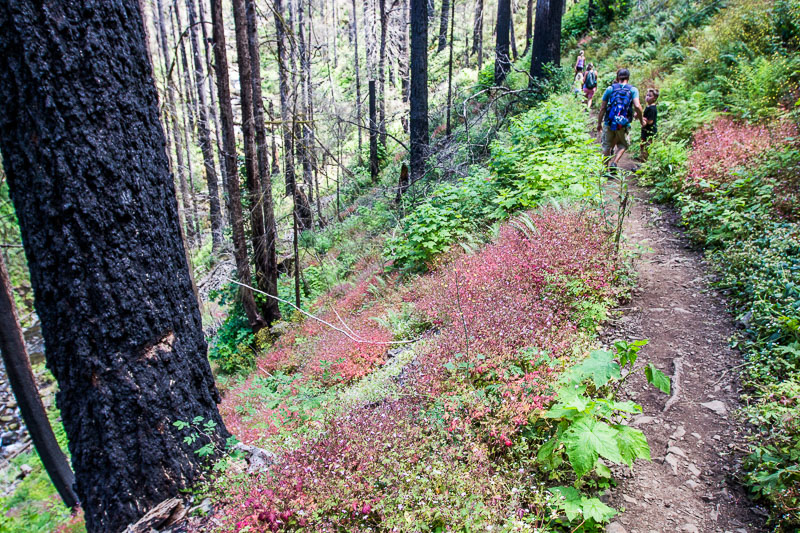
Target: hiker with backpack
[[589, 85], [620, 103], [579, 63]]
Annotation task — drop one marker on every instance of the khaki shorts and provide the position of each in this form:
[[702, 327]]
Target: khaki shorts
[[613, 138]]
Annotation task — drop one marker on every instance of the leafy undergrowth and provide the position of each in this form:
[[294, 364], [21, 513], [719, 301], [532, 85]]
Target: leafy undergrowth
[[728, 155], [442, 433]]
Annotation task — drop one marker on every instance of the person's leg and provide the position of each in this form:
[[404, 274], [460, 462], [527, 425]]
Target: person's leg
[[623, 142], [645, 147], [607, 141]]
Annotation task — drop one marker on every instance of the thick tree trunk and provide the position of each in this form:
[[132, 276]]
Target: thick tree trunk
[[267, 275], [546, 37], [91, 185], [512, 35], [254, 318], [443, 19], [529, 26], [23, 384], [358, 79], [382, 74], [215, 213], [403, 63], [418, 127], [373, 133], [304, 151], [251, 163], [502, 62], [283, 84]]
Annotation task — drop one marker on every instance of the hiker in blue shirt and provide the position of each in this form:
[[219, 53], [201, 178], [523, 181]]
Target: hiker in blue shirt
[[620, 103]]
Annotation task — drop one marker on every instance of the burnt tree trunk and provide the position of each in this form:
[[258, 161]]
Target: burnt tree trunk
[[215, 213], [502, 62], [20, 377], [373, 133], [283, 84], [304, 152], [276, 169], [418, 126], [448, 129], [382, 74], [358, 80], [443, 19], [254, 318], [91, 186], [268, 274], [529, 26], [546, 37], [512, 35], [402, 66], [477, 30], [251, 163]]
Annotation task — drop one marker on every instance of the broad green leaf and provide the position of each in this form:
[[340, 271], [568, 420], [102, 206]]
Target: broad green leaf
[[585, 440], [600, 367], [569, 499], [632, 444], [594, 508], [602, 470], [657, 378], [547, 456]]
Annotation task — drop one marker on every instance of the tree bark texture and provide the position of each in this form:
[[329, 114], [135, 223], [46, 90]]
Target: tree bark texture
[[283, 84], [304, 151], [268, 275], [512, 35], [254, 318], [403, 62], [546, 37], [448, 129], [373, 133], [85, 157], [443, 19], [358, 79], [418, 126], [382, 74], [477, 28], [204, 135], [502, 61], [529, 26], [251, 163], [23, 384]]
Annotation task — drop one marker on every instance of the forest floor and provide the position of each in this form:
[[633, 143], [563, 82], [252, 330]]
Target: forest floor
[[695, 437]]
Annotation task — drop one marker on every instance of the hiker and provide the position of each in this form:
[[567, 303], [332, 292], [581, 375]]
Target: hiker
[[650, 127], [578, 83], [580, 62], [589, 85], [620, 102]]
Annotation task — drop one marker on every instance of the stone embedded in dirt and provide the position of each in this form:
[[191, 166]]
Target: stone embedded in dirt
[[24, 471], [676, 451], [257, 458], [630, 500], [615, 527], [641, 420], [692, 484], [716, 406], [694, 470], [678, 433], [672, 460], [690, 528]]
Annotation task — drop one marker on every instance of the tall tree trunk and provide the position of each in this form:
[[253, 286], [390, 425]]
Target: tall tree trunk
[[403, 64], [450, 71], [546, 37], [251, 162], [268, 273], [477, 28], [173, 118], [305, 149], [502, 62], [382, 73], [443, 25], [512, 35], [373, 133], [215, 213], [254, 318], [188, 129], [276, 169], [23, 384], [212, 94], [589, 14], [529, 26], [91, 186], [358, 80], [299, 201], [309, 140], [418, 127]]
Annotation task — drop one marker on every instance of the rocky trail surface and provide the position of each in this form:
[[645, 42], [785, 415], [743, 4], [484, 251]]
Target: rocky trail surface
[[695, 437]]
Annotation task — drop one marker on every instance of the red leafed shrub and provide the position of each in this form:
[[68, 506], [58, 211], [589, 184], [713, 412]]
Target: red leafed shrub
[[725, 145]]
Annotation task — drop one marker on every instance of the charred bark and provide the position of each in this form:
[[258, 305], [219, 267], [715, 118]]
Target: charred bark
[[529, 26], [443, 19], [382, 74], [254, 318], [358, 79], [373, 134], [418, 126], [477, 29], [267, 275], [91, 185], [502, 62], [546, 37]]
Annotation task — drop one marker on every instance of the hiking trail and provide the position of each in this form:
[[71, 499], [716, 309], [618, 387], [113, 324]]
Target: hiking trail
[[695, 437]]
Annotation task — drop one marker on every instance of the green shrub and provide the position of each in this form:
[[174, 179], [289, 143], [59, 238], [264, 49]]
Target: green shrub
[[232, 348], [665, 169]]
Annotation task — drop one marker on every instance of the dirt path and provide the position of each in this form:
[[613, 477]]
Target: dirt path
[[694, 438]]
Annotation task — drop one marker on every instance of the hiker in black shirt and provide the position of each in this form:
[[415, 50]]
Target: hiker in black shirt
[[650, 127]]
